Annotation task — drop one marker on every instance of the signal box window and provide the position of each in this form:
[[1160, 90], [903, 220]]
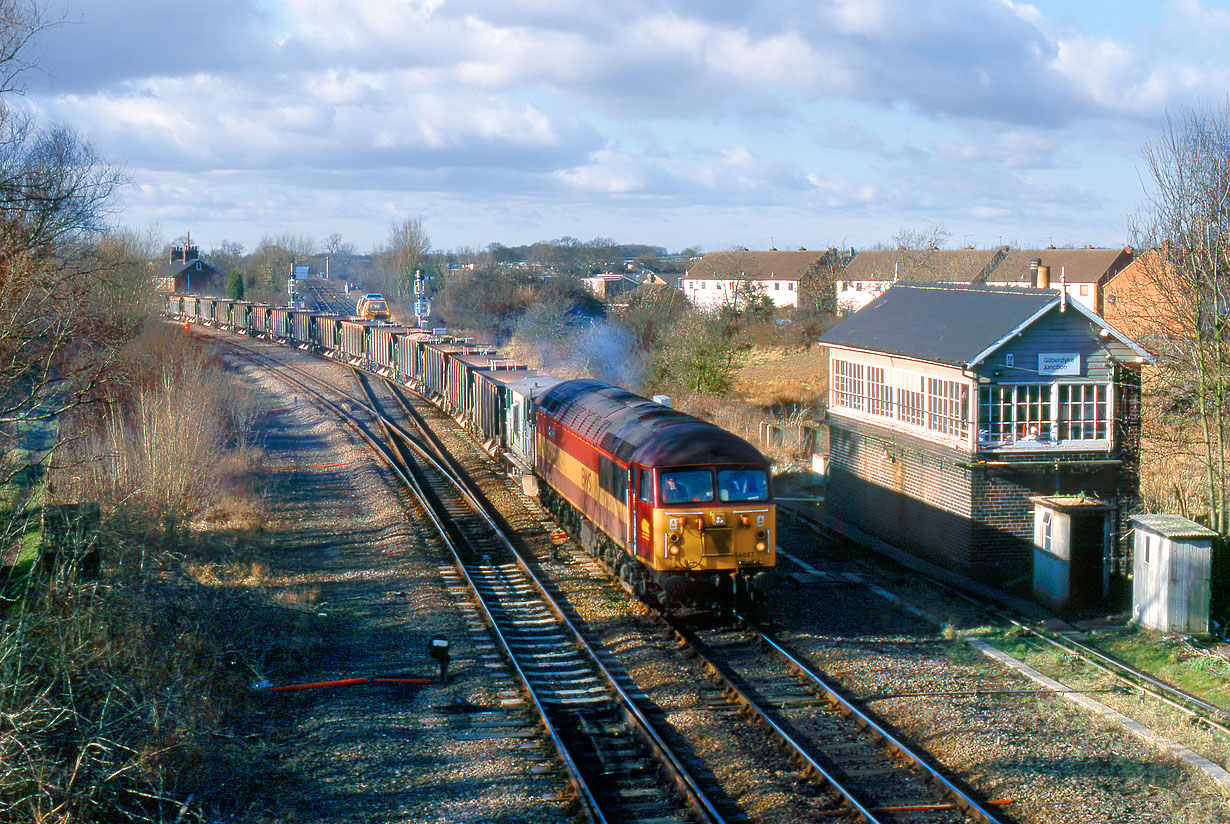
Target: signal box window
[[684, 486]]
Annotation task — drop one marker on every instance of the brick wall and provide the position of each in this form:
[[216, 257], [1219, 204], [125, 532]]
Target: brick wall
[[973, 518], [910, 495]]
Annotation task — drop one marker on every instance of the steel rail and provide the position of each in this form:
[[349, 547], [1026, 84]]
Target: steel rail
[[1198, 709], [461, 483], [696, 797], [798, 750], [684, 779], [962, 798], [1194, 706], [576, 779]]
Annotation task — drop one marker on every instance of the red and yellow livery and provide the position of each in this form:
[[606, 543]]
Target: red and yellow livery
[[681, 509]]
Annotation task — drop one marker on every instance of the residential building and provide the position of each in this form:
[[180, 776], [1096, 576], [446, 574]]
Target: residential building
[[608, 286], [869, 274], [1084, 272], [1134, 300], [953, 408], [787, 278], [185, 272]]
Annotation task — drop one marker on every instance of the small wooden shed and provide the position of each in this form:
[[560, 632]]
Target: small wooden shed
[[1173, 560]]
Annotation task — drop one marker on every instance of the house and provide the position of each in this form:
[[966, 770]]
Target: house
[[1085, 272], [870, 273], [787, 278], [610, 285], [952, 408], [186, 273], [1136, 301]]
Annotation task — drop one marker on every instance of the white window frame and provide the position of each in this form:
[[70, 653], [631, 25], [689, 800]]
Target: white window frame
[[1046, 413]]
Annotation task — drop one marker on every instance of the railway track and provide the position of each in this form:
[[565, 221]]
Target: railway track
[[798, 709], [327, 299], [783, 698], [883, 778], [877, 776], [1198, 711], [621, 770]]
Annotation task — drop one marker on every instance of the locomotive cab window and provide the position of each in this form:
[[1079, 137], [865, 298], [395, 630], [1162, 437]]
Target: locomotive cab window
[[742, 485], [646, 485], [687, 485]]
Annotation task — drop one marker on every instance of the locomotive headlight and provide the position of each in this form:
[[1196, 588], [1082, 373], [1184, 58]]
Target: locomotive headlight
[[673, 549], [761, 546], [745, 520], [719, 520], [674, 537], [761, 535]]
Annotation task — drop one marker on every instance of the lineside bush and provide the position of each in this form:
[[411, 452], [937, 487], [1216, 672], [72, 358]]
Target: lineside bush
[[125, 690]]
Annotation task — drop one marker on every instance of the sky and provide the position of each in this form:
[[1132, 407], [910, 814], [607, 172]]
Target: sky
[[712, 124]]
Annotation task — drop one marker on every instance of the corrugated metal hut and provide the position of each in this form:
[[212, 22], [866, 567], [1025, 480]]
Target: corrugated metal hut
[[1173, 573]]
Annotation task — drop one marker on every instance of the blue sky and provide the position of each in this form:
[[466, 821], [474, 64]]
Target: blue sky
[[707, 123]]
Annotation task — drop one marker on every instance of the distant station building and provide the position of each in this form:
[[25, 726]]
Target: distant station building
[[956, 411], [185, 273]]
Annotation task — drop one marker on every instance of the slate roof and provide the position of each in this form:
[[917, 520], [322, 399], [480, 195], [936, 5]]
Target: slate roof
[[923, 265], [1076, 265], [939, 322], [769, 265], [170, 270]]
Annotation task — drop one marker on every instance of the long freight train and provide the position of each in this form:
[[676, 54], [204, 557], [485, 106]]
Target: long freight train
[[681, 509]]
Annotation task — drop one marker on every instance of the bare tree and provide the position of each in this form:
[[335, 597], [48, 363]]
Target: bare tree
[[649, 312], [273, 261], [913, 252], [700, 353], [1186, 219], [226, 256], [57, 340], [20, 22], [406, 250], [335, 244]]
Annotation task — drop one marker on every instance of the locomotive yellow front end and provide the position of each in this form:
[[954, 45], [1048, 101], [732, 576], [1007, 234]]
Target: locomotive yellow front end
[[722, 538], [714, 534]]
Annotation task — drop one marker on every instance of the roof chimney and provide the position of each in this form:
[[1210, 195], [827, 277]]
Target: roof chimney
[[1042, 276]]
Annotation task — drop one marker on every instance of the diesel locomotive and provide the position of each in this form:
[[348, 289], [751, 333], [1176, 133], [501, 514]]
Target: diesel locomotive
[[680, 509]]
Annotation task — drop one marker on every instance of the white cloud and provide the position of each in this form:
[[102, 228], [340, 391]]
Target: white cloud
[[609, 171], [698, 103]]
